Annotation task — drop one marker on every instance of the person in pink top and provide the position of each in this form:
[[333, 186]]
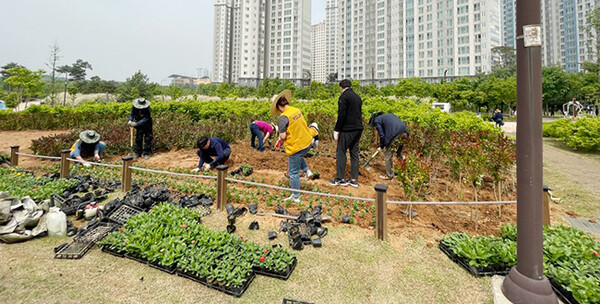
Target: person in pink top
[[261, 130]]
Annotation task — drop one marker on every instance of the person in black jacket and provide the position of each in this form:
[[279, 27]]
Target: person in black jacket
[[141, 120], [347, 132], [392, 135]]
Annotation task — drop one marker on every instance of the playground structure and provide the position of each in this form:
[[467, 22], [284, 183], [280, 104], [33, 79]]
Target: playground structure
[[572, 106]]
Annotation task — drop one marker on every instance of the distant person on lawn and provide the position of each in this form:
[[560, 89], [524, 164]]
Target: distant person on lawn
[[88, 145], [347, 132], [209, 148], [295, 136], [262, 131], [392, 135], [498, 118], [141, 119]]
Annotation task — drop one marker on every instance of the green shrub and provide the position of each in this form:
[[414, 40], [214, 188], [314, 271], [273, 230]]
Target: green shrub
[[582, 135]]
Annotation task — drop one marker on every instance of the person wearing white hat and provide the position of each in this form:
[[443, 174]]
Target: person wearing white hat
[[141, 119], [88, 145]]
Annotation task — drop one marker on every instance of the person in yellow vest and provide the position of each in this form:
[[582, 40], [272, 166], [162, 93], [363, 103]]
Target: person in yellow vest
[[296, 138]]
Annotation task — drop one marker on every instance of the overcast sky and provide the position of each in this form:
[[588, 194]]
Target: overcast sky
[[117, 37]]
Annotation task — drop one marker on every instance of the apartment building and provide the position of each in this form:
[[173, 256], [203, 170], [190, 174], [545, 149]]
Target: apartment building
[[319, 54]]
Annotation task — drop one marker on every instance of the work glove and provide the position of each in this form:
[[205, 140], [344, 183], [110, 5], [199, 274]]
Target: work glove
[[131, 123], [86, 164], [380, 149], [195, 169], [278, 145], [336, 135], [316, 145], [97, 157], [206, 167]]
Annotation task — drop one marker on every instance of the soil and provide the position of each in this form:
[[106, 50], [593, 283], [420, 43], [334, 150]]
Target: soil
[[23, 140], [431, 222]]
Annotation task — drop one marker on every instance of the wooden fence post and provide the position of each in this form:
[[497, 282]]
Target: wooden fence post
[[14, 157], [126, 173], [221, 186], [546, 206], [64, 163], [381, 212]]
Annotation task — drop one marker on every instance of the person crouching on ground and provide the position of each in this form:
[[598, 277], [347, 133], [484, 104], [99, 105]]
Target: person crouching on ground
[[141, 119], [263, 131], [209, 148], [88, 145], [295, 136], [392, 135]]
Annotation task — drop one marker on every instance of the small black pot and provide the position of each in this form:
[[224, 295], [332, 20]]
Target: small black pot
[[254, 226]]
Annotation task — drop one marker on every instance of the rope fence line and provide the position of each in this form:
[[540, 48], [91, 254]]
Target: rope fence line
[[38, 156], [452, 203], [173, 173], [95, 163], [301, 191]]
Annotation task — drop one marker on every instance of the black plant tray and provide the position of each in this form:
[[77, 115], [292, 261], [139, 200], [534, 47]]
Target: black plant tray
[[564, 295], [169, 270], [236, 292], [136, 258], [121, 214], [269, 273], [75, 250], [106, 248], [290, 301], [476, 271], [95, 233]]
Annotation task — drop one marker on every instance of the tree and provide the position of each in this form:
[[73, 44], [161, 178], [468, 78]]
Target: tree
[[136, 86], [5, 73], [174, 92], [505, 64], [53, 61], [332, 78], [558, 86], [26, 83], [78, 70], [413, 87]]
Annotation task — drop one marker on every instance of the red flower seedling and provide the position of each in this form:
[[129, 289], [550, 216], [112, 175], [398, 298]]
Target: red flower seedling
[[150, 211], [594, 252], [184, 226], [121, 229], [265, 251], [262, 259]]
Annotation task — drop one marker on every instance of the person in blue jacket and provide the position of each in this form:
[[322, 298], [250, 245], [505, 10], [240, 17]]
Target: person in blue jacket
[[141, 119], [498, 118], [209, 148], [392, 135]]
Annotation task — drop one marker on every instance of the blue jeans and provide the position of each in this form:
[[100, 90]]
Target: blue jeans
[[256, 133], [296, 163]]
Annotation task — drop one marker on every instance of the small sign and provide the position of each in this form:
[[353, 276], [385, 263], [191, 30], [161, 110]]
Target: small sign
[[532, 35]]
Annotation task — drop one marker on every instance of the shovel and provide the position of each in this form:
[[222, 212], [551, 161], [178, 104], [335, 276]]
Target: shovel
[[131, 137], [366, 164]]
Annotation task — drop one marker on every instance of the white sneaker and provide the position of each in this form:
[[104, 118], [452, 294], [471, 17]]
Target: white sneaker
[[292, 198]]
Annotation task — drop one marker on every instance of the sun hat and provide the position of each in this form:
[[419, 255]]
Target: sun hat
[[89, 136], [287, 94], [140, 103]]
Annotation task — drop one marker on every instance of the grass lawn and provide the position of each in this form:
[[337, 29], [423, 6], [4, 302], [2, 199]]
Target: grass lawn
[[351, 267]]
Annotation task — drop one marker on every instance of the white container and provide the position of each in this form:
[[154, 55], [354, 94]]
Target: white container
[[57, 223]]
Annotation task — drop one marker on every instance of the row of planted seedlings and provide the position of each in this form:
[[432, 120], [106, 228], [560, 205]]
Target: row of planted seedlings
[[344, 210], [571, 259], [173, 239]]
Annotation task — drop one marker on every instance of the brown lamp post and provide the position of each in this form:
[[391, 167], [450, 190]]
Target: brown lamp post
[[526, 282]]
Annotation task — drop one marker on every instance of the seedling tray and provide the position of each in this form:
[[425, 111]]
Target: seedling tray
[[236, 292], [136, 258], [290, 301], [75, 250], [122, 214], [564, 295], [476, 271], [169, 270], [282, 276], [106, 248], [95, 233]]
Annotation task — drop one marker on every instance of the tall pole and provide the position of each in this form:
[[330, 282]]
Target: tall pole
[[526, 282], [230, 43]]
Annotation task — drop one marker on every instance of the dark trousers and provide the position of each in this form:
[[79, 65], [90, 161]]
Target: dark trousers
[[256, 133], [347, 141], [143, 141]]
